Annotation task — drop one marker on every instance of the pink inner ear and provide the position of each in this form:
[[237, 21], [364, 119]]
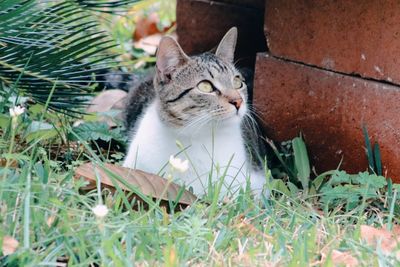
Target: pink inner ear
[[226, 48], [169, 56], [162, 76]]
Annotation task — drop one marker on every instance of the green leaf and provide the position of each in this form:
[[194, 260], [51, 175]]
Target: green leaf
[[318, 181], [364, 178], [4, 121], [396, 187], [340, 177], [39, 125], [41, 172], [339, 195], [301, 161], [40, 130], [293, 189], [92, 131], [312, 191], [351, 189], [279, 186], [378, 159]]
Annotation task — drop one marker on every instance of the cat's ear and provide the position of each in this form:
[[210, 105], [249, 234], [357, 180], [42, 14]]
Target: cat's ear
[[169, 57], [226, 48]]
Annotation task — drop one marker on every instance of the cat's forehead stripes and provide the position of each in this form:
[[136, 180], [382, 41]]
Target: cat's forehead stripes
[[211, 61], [204, 66]]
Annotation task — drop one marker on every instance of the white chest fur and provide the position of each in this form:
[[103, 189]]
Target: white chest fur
[[210, 150]]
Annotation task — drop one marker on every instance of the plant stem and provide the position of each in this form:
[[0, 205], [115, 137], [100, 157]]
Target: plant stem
[[27, 203]]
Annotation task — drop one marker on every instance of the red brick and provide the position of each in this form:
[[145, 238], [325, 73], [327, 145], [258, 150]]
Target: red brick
[[357, 36], [329, 109], [202, 24]]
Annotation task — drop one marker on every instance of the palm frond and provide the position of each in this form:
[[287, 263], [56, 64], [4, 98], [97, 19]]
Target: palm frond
[[106, 6], [53, 44]]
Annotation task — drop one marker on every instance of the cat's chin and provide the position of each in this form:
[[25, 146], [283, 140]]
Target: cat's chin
[[233, 119]]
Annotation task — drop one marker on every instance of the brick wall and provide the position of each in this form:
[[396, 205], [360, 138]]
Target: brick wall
[[201, 24], [331, 67], [353, 37]]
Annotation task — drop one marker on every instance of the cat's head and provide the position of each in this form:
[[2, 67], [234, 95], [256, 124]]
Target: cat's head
[[197, 90]]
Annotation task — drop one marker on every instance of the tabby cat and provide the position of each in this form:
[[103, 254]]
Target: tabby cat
[[200, 102]]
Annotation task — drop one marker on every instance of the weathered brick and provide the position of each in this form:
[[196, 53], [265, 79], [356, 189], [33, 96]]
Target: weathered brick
[[202, 24], [330, 110], [361, 37]]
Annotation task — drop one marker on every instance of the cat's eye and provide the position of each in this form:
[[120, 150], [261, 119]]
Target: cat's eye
[[237, 83], [205, 87]]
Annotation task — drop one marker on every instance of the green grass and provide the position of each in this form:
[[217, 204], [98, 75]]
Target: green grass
[[42, 206], [286, 232]]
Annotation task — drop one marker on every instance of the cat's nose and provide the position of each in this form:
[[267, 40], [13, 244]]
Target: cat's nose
[[236, 102]]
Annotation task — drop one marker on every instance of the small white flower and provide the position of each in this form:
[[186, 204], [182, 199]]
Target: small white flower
[[78, 122], [16, 111], [178, 164], [100, 211]]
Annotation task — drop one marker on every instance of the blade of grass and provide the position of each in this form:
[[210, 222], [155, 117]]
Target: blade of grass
[[391, 211], [370, 155], [302, 162], [377, 158], [217, 190]]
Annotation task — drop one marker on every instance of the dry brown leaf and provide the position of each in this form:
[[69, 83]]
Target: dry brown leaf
[[50, 220], [10, 245], [395, 229], [111, 99], [149, 184], [147, 25], [149, 43], [11, 163], [343, 258], [339, 258], [388, 240]]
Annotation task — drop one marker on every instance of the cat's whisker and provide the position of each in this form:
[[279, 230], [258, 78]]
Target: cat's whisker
[[255, 114], [198, 121], [251, 123], [249, 116], [196, 126], [247, 122]]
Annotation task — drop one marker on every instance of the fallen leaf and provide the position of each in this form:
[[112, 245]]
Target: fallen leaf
[[108, 100], [50, 220], [147, 25], [395, 229], [388, 240], [150, 43], [338, 258], [10, 245], [149, 184], [343, 258], [11, 163]]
